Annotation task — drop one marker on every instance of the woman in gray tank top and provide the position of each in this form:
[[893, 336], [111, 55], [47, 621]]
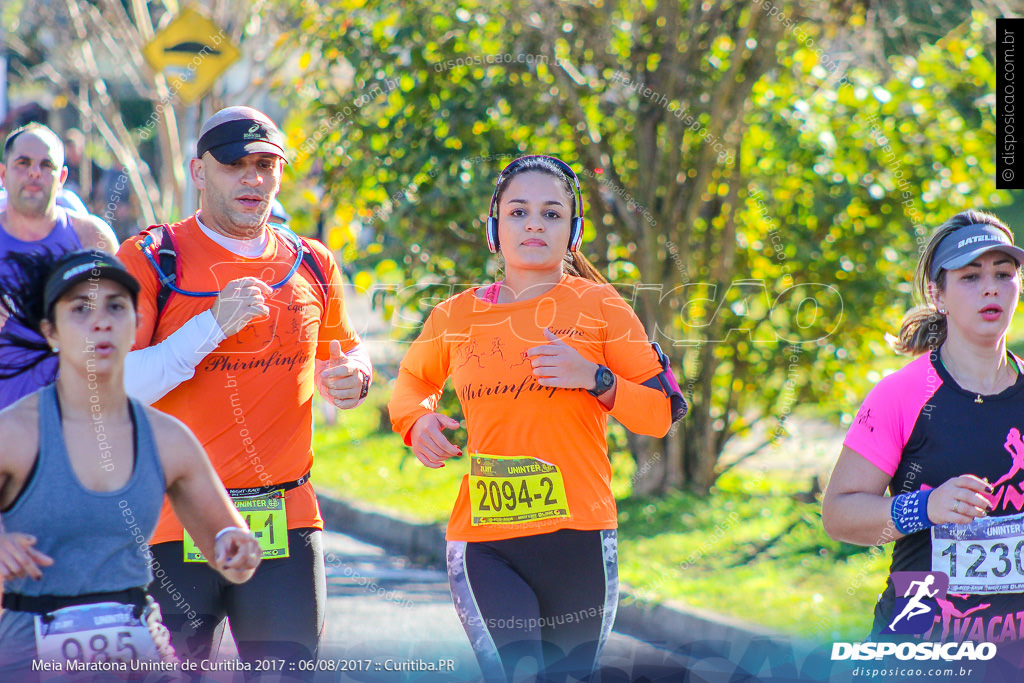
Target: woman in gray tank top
[[83, 470]]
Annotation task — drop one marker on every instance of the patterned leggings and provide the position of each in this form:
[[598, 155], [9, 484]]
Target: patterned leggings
[[536, 606]]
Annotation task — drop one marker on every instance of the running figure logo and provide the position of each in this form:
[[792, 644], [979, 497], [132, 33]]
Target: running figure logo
[[1015, 447], [918, 595], [864, 418]]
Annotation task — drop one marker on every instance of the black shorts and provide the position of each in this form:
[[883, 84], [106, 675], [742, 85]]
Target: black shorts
[[277, 614], [541, 603]]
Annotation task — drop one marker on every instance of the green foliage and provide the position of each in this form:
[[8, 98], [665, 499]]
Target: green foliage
[[746, 193], [857, 179], [410, 146], [750, 536]]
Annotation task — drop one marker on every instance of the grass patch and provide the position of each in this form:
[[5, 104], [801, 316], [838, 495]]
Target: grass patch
[[751, 549]]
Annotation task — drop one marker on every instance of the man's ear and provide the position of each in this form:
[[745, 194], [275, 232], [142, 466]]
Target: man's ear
[[197, 169]]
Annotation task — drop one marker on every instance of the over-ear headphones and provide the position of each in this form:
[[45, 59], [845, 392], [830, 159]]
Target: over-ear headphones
[[576, 225]]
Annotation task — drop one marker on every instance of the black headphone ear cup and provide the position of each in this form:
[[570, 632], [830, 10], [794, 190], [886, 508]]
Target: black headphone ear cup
[[576, 234], [492, 234]]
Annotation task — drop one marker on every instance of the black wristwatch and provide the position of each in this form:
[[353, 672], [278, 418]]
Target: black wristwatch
[[604, 380]]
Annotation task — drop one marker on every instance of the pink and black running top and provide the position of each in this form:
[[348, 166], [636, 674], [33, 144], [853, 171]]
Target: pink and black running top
[[921, 428]]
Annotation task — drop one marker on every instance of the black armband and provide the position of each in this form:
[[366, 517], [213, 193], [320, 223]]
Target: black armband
[[665, 381]]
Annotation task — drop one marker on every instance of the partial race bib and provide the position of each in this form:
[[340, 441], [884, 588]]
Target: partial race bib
[[266, 518], [985, 556], [102, 632], [515, 490]]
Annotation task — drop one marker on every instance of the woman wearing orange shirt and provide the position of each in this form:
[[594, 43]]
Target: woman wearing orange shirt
[[538, 361]]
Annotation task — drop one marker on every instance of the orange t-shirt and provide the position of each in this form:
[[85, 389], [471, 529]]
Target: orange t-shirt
[[250, 401], [483, 347]]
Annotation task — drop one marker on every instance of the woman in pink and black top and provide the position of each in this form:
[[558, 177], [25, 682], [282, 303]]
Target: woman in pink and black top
[[944, 436]]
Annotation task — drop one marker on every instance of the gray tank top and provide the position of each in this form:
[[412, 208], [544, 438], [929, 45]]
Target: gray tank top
[[98, 540]]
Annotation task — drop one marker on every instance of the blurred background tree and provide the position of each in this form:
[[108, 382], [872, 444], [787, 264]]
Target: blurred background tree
[[759, 176], [89, 55]]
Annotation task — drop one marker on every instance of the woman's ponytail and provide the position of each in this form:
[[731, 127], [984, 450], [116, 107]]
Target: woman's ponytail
[[21, 294]]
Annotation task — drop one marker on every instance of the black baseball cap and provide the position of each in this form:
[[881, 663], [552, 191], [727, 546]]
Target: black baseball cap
[[960, 247], [234, 132], [86, 264]]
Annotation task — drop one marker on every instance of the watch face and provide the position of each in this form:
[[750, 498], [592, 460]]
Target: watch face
[[603, 379]]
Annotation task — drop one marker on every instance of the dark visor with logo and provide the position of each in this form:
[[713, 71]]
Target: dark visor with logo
[[232, 140], [960, 247]]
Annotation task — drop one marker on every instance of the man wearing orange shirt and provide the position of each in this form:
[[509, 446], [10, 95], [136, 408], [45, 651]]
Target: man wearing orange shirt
[[249, 396]]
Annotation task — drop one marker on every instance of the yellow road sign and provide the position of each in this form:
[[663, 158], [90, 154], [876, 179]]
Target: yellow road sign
[[192, 52]]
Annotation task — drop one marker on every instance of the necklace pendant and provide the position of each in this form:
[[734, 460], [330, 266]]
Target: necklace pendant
[[978, 399]]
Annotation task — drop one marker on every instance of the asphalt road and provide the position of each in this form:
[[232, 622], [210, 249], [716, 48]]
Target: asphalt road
[[390, 621]]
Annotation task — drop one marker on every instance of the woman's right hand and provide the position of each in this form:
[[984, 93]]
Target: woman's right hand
[[959, 500], [429, 444], [19, 559]]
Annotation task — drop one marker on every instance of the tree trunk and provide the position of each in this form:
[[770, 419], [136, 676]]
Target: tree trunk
[[651, 465]]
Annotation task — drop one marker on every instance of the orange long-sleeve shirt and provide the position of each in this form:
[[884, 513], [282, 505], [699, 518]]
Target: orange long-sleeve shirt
[[250, 401], [483, 347]]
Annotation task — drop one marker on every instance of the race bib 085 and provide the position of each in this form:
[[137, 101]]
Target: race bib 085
[[101, 632]]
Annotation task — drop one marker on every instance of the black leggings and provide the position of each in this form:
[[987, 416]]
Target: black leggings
[[538, 605], [277, 614]]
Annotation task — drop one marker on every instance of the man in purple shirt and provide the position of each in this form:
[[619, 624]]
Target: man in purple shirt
[[32, 172]]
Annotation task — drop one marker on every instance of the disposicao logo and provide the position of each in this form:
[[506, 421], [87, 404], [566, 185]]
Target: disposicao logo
[[918, 596], [947, 652], [917, 601]]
